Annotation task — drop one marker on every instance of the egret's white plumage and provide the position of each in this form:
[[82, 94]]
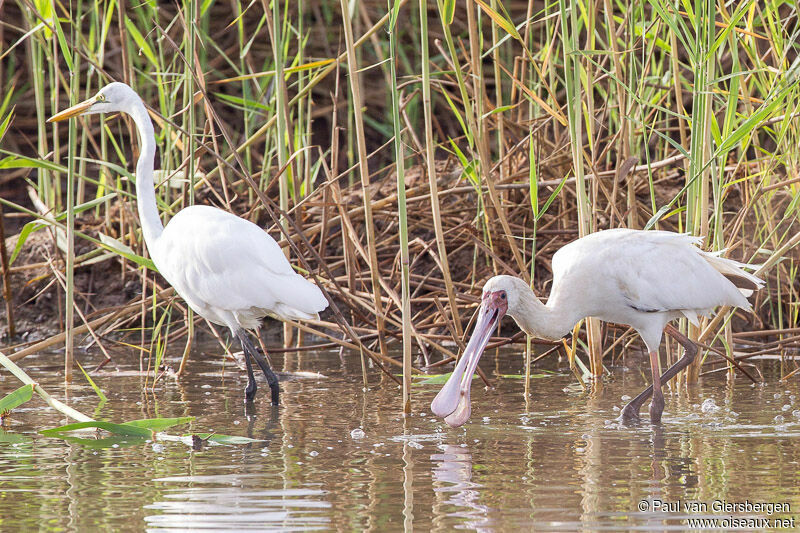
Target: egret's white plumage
[[225, 281], [228, 270], [643, 279]]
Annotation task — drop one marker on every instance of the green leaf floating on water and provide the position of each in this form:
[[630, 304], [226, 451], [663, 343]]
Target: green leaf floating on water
[[539, 374], [439, 379], [136, 428], [16, 398], [144, 428], [114, 441], [158, 424], [115, 429], [226, 439], [14, 438]]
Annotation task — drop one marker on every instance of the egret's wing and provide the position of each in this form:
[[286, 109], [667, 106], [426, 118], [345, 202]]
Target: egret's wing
[[221, 261]]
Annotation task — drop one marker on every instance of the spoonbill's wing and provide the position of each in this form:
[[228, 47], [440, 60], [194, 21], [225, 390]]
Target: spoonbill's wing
[[664, 271]]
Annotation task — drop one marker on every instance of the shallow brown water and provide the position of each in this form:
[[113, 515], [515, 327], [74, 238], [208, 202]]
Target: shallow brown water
[[559, 463]]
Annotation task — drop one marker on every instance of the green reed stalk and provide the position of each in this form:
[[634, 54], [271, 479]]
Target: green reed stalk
[[363, 168], [572, 77], [69, 311], [700, 163], [275, 27], [401, 209], [430, 151], [190, 10]]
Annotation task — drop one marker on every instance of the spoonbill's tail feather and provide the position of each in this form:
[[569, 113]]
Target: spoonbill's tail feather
[[735, 272]]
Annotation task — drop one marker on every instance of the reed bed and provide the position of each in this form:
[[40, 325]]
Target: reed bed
[[403, 152]]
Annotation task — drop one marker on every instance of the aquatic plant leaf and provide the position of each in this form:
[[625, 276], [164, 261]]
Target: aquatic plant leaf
[[439, 379], [225, 439], [158, 424], [500, 20], [103, 443], [14, 438], [116, 429], [542, 374], [16, 398], [97, 389], [144, 48], [113, 245], [448, 11]]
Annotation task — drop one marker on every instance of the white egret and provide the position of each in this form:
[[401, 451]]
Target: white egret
[[229, 271], [643, 279]]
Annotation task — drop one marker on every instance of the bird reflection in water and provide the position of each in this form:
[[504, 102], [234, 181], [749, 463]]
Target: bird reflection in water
[[452, 475]]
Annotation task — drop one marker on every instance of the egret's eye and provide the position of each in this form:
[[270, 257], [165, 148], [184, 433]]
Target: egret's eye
[[100, 98], [503, 295]]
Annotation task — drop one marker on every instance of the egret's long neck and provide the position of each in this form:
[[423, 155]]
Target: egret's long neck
[[551, 321], [145, 190]]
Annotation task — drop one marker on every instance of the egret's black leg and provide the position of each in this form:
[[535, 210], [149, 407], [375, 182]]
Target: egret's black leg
[[272, 379], [631, 411], [250, 390]]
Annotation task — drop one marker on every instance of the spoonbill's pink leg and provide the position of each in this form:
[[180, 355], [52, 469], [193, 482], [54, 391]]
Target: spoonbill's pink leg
[[631, 411]]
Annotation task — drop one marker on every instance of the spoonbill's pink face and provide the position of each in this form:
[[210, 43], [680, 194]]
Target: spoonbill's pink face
[[453, 401]]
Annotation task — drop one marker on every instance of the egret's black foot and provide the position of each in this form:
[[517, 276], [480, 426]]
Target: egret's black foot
[[276, 392], [250, 391], [656, 409]]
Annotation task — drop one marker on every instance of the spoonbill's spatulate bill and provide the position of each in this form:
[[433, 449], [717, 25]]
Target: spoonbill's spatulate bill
[[644, 279], [228, 270]]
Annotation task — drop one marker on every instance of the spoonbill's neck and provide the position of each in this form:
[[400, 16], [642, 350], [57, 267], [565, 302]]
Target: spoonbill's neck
[[551, 321], [145, 189]]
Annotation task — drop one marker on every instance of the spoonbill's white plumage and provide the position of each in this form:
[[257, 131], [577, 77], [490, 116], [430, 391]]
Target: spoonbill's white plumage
[[644, 279], [229, 271]]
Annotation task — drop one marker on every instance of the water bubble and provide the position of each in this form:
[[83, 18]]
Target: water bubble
[[778, 419], [625, 398], [357, 433], [313, 453], [486, 419], [415, 445], [615, 408], [115, 445], [796, 413], [776, 395], [709, 406], [786, 407], [236, 422], [158, 448]]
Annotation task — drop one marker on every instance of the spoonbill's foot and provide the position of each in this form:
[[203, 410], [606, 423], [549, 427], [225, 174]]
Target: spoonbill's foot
[[656, 408], [629, 413]]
